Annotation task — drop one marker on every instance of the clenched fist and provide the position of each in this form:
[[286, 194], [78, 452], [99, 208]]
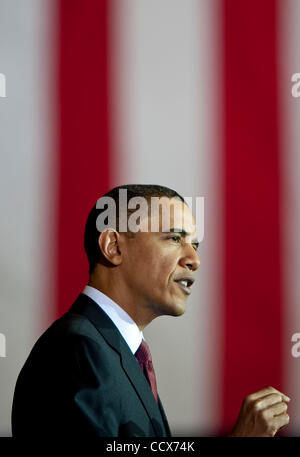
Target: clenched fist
[[262, 414]]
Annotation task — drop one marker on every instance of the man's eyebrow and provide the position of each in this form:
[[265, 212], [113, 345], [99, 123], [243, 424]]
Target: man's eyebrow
[[181, 232]]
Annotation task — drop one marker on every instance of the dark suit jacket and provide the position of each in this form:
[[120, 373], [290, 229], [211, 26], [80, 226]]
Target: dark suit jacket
[[82, 380]]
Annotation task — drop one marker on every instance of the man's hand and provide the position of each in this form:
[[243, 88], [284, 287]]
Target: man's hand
[[262, 414]]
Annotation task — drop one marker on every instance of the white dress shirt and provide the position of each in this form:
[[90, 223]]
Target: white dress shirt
[[124, 323]]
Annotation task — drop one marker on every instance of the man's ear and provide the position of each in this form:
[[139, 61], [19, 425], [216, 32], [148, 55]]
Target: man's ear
[[109, 244]]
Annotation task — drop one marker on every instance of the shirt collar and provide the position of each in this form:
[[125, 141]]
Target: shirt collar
[[124, 323]]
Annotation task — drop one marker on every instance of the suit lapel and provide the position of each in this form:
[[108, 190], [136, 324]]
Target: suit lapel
[[164, 418], [86, 306], [142, 388]]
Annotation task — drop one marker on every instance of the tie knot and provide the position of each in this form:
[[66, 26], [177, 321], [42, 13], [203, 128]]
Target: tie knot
[[143, 354]]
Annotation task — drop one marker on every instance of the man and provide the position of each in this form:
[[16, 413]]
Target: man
[[90, 373]]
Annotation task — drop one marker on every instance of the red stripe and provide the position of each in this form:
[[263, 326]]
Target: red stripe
[[253, 308], [84, 147]]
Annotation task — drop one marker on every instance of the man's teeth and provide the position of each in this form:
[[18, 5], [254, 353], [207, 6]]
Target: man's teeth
[[184, 283]]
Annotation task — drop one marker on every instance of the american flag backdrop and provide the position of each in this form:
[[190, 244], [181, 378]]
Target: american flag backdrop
[[194, 95]]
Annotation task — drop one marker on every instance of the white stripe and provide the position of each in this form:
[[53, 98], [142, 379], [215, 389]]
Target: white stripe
[[24, 60], [165, 75], [289, 64]]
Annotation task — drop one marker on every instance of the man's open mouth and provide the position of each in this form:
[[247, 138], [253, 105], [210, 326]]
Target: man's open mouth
[[185, 284]]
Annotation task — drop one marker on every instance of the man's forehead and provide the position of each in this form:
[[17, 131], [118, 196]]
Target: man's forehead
[[160, 214], [172, 215]]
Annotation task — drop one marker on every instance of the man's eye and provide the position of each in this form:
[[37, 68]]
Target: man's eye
[[175, 238]]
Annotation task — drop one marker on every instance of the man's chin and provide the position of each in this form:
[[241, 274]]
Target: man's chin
[[171, 308], [180, 310], [176, 309]]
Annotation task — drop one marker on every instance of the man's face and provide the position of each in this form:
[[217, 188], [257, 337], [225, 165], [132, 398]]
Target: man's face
[[155, 262]]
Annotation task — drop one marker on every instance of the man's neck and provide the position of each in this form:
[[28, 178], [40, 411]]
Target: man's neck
[[136, 313]]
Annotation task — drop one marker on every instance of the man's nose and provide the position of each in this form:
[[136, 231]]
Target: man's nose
[[191, 258]]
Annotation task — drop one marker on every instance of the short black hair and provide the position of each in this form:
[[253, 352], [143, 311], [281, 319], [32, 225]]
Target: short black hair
[[91, 233]]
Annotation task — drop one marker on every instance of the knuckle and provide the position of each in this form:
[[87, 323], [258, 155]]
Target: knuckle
[[256, 405], [276, 397], [248, 400], [286, 419], [282, 420], [272, 430], [284, 407], [271, 389], [268, 429], [263, 414], [280, 408]]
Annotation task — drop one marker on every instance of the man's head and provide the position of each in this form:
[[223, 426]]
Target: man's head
[[141, 270]]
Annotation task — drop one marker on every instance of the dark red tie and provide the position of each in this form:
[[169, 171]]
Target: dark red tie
[[143, 356]]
